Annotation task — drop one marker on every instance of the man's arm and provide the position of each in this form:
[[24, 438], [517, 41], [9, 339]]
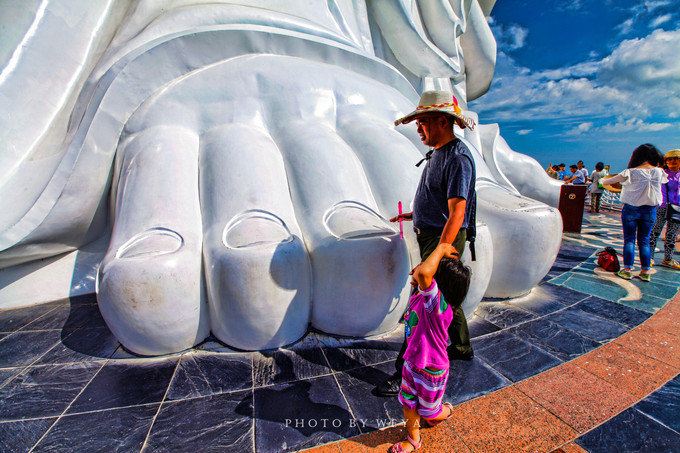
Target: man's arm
[[424, 272], [456, 218], [402, 216]]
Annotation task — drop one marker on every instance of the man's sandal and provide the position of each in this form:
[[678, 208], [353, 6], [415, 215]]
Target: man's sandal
[[434, 423], [397, 448]]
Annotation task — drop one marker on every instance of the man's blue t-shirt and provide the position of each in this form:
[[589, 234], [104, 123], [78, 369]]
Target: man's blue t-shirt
[[449, 173]]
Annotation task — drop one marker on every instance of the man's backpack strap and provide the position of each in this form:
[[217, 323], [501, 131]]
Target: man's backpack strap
[[471, 231]]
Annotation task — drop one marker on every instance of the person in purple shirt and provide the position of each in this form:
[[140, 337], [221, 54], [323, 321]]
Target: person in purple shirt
[[443, 282], [665, 213]]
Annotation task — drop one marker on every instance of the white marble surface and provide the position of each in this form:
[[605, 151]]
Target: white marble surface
[[242, 157]]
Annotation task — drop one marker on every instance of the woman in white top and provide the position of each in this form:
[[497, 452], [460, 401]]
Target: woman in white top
[[640, 194]]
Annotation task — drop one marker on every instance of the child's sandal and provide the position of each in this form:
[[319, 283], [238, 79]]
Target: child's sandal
[[432, 424], [397, 448]]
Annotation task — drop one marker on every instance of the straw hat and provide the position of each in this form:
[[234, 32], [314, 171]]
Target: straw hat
[[437, 101], [672, 153]]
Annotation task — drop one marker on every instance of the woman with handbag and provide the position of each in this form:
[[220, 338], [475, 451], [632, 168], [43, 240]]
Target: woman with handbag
[[669, 209], [641, 194]]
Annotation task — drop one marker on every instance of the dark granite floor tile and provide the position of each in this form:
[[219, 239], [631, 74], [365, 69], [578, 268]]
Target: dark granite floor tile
[[83, 299], [44, 391], [470, 379], [588, 324], [302, 414], [283, 365], [371, 411], [513, 357], [556, 293], [22, 348], [82, 345], [538, 306], [68, 317], [6, 374], [13, 319], [20, 436], [87, 316], [613, 311], [119, 430], [214, 423], [664, 404], [129, 383], [208, 374], [503, 314], [548, 298], [212, 344], [479, 326], [348, 354], [630, 431], [561, 342]]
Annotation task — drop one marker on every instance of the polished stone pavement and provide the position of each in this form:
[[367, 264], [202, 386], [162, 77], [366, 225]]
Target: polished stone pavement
[[67, 385]]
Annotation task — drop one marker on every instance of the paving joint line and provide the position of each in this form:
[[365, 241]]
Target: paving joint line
[[344, 397], [67, 408], [160, 406], [33, 363]]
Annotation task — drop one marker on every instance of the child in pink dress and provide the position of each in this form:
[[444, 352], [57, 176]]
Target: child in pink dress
[[442, 285]]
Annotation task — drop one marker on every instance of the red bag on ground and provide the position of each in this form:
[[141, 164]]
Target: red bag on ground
[[608, 260]]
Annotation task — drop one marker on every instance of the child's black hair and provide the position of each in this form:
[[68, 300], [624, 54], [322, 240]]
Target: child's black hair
[[646, 153], [573, 166], [453, 280], [599, 166]]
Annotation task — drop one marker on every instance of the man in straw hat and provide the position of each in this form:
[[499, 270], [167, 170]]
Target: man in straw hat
[[445, 202]]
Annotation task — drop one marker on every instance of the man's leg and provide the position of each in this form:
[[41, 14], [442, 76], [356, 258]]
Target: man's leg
[[460, 347]]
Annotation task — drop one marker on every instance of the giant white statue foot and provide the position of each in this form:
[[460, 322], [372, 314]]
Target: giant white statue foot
[[251, 161]]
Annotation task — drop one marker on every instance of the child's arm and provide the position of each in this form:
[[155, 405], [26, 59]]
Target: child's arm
[[425, 271]]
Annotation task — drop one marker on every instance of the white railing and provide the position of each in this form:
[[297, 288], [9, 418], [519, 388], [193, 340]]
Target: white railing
[[610, 201]]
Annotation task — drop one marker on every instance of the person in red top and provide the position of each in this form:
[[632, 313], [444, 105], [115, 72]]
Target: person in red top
[[443, 283]]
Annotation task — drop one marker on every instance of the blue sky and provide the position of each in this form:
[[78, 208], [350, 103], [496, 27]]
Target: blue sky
[[585, 79]]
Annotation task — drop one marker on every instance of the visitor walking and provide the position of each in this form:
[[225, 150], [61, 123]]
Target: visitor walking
[[641, 194], [596, 188]]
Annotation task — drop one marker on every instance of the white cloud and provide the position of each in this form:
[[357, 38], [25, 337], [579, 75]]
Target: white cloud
[[654, 4], [644, 9], [580, 129], [511, 37], [574, 5], [621, 126], [634, 125], [625, 27], [524, 131], [640, 78], [660, 20]]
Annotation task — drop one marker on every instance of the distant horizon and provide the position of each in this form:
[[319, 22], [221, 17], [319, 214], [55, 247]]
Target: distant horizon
[[585, 79], [617, 163]]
